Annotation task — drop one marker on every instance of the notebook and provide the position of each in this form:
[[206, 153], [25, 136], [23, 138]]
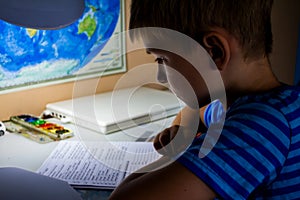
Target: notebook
[[105, 168], [119, 109]]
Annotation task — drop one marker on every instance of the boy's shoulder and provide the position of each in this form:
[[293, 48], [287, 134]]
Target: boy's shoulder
[[285, 99], [281, 94]]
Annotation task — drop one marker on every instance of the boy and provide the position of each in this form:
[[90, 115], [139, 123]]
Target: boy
[[256, 155]]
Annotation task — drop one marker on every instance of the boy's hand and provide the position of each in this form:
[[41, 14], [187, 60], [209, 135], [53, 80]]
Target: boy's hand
[[165, 137], [167, 144], [185, 127]]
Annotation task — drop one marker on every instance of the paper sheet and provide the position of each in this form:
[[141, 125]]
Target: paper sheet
[[97, 164]]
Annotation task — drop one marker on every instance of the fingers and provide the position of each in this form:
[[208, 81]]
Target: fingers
[[166, 143], [162, 139], [165, 137]]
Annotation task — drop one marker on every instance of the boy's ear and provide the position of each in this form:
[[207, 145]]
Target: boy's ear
[[218, 48]]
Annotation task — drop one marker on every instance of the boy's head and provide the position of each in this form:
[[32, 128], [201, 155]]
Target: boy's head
[[236, 34], [249, 21]]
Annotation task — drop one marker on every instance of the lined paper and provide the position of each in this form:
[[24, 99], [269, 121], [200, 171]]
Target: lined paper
[[97, 164]]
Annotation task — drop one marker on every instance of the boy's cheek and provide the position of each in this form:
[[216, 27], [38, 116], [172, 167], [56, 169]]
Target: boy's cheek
[[183, 90]]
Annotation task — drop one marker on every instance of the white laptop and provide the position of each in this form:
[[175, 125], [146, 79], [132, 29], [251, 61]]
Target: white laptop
[[119, 109]]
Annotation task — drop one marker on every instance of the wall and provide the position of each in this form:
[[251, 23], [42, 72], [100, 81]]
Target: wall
[[33, 101], [286, 24], [286, 17]]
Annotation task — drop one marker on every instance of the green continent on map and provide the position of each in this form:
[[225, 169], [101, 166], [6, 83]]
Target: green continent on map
[[87, 26]]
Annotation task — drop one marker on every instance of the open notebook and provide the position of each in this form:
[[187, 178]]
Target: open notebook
[[97, 164], [119, 109]]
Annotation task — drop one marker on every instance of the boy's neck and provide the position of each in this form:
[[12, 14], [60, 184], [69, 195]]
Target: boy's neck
[[254, 77]]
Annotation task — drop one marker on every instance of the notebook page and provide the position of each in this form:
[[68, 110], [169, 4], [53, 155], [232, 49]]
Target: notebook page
[[97, 164]]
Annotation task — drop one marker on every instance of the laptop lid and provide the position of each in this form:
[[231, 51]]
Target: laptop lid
[[119, 109]]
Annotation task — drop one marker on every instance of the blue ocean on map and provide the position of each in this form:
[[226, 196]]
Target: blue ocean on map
[[29, 55]]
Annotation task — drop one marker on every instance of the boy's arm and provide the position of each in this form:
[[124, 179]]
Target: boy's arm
[[185, 119], [173, 181], [186, 112], [165, 178]]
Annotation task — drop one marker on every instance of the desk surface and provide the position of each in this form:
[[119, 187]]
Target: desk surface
[[21, 152]]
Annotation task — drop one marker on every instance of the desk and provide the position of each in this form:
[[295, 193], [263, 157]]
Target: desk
[[18, 151]]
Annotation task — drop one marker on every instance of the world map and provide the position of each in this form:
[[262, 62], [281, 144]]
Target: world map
[[30, 56]]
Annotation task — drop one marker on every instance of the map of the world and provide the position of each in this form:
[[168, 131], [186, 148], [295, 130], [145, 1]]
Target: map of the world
[[29, 56]]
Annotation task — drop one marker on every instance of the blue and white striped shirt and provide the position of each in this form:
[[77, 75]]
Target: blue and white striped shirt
[[257, 155]]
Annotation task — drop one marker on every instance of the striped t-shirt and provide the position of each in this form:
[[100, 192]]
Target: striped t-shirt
[[257, 155]]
